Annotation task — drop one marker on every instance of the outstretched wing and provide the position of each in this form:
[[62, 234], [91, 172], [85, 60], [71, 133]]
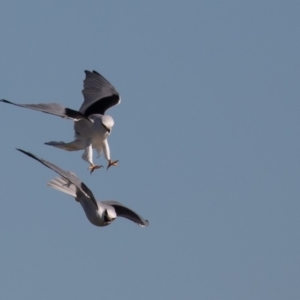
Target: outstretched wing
[[70, 177], [53, 109], [125, 212], [99, 95]]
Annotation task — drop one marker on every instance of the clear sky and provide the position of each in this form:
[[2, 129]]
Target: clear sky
[[207, 135]]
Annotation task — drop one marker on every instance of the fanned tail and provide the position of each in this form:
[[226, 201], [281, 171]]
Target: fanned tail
[[63, 185]]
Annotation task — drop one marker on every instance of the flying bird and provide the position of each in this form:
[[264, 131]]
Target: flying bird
[[98, 213], [92, 127]]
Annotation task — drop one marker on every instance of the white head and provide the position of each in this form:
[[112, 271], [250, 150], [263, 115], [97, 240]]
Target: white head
[[107, 122]]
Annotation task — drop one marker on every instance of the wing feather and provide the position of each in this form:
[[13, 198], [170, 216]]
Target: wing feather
[[99, 95], [52, 109], [125, 212], [70, 177]]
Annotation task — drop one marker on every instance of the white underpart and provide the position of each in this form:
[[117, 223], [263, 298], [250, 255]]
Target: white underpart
[[88, 153], [94, 137], [89, 136]]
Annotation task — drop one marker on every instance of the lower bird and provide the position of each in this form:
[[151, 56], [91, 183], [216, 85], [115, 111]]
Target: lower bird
[[98, 213]]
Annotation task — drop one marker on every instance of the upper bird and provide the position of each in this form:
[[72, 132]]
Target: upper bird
[[92, 127], [98, 213]]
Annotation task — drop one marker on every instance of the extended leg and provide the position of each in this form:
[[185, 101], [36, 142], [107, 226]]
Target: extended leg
[[88, 157], [107, 155]]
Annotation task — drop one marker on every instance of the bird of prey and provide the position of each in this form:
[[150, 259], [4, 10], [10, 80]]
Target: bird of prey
[[92, 127], [98, 213]]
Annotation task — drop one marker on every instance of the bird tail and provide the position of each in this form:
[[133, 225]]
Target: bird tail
[[72, 146], [63, 185]]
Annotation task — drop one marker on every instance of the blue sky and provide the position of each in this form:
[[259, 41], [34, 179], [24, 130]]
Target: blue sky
[[207, 135]]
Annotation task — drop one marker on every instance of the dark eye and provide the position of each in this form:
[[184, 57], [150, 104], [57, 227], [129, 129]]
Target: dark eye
[[107, 129]]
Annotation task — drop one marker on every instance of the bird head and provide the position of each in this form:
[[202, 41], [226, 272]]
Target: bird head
[[109, 215], [107, 122]]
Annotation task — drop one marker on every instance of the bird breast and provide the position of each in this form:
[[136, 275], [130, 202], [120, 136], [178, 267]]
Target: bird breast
[[95, 216]]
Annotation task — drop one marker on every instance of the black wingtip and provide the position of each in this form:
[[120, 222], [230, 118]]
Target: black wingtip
[[76, 115], [5, 101], [144, 223], [92, 72], [95, 72], [28, 153], [20, 150]]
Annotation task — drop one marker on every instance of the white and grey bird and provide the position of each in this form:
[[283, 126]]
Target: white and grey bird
[[92, 127], [98, 213]]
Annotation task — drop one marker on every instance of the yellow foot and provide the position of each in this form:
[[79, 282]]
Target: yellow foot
[[112, 163], [92, 168]]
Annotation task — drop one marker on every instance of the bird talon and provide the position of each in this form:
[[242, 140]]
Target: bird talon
[[112, 163], [92, 168]]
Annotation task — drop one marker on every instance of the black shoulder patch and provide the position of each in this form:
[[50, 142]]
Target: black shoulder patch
[[74, 114]]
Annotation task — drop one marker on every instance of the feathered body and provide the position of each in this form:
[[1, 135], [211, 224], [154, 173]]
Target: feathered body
[[92, 127], [98, 213]]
